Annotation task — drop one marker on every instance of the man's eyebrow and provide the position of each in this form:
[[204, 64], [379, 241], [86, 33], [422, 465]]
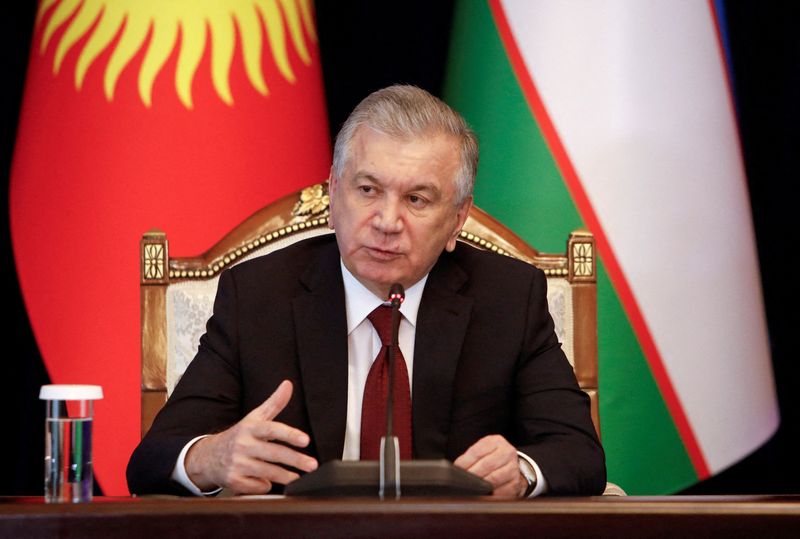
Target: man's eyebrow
[[431, 190], [363, 175], [425, 186]]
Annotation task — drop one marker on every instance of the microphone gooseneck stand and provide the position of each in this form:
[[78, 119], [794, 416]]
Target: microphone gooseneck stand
[[390, 447]]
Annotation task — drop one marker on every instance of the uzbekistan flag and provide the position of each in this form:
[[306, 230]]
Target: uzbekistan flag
[[188, 116], [617, 115]]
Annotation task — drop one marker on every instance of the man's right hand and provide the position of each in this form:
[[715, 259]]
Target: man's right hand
[[245, 458]]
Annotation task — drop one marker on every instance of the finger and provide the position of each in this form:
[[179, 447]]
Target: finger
[[260, 440], [249, 485], [493, 462], [280, 454], [275, 403], [276, 431], [280, 475], [472, 455], [502, 475], [266, 472], [476, 451], [465, 461]]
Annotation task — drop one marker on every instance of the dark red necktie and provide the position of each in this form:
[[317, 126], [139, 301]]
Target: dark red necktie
[[373, 407]]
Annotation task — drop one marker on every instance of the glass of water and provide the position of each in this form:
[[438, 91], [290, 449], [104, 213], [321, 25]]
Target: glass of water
[[68, 442]]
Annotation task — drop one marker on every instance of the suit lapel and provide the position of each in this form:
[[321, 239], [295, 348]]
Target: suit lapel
[[321, 332], [441, 326]]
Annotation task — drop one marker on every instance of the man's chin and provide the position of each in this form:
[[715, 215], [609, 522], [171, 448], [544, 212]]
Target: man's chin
[[377, 280]]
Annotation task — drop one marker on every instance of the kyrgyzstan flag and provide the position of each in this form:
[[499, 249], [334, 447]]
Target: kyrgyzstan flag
[[617, 115], [187, 115]]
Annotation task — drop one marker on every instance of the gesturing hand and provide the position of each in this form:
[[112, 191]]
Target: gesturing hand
[[494, 459], [245, 458]]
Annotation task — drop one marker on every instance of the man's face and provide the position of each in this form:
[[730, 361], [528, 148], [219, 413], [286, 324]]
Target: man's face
[[394, 208]]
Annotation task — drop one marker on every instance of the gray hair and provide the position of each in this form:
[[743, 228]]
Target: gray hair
[[404, 112]]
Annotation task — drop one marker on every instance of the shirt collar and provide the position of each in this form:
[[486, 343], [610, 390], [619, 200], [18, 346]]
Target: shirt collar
[[359, 301]]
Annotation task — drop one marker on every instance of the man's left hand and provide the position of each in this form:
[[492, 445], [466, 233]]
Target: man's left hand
[[494, 459]]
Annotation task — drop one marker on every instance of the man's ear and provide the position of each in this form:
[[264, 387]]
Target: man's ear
[[333, 184], [461, 218]]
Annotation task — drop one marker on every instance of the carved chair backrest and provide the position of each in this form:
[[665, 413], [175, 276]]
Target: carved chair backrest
[[177, 293]]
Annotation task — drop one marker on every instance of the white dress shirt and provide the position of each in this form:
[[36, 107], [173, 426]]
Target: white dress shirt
[[363, 345]]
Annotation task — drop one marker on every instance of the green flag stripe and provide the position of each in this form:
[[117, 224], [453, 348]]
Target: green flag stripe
[[520, 184]]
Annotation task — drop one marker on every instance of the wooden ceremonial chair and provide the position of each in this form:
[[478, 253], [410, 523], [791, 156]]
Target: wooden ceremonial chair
[[177, 293]]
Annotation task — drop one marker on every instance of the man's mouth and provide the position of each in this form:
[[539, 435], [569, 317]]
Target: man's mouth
[[382, 254]]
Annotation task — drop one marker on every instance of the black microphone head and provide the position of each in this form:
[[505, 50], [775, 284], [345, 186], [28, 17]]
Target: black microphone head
[[397, 293]]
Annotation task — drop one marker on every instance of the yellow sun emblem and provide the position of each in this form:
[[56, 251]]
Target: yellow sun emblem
[[163, 20]]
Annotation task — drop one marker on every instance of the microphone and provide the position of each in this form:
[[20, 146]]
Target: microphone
[[390, 446], [396, 295]]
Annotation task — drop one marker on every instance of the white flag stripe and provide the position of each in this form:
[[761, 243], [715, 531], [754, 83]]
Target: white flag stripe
[[638, 95]]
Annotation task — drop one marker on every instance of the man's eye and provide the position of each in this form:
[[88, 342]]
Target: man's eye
[[416, 200], [366, 189]]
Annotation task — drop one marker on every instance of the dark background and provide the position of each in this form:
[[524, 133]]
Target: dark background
[[367, 45]]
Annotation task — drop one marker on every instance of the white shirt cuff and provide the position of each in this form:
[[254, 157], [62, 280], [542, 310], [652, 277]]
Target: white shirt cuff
[[541, 482], [179, 471]]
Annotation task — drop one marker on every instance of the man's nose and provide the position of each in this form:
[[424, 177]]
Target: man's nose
[[388, 218]]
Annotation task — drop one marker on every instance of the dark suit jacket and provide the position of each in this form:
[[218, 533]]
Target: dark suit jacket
[[486, 361]]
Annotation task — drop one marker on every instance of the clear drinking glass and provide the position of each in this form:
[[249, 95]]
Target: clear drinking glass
[[68, 442]]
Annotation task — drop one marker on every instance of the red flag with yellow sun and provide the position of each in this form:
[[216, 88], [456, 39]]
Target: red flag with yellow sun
[[187, 115]]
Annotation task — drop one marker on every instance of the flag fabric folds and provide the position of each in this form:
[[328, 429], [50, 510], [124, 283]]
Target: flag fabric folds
[[186, 116], [617, 115]]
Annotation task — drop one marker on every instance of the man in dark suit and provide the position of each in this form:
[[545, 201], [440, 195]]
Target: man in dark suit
[[490, 388]]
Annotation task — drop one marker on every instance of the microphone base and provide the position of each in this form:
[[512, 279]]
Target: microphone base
[[420, 478]]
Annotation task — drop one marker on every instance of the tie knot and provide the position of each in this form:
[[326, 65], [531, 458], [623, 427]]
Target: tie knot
[[381, 319]]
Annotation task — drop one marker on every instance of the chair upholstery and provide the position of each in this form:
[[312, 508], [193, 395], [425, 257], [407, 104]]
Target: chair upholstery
[[177, 293]]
